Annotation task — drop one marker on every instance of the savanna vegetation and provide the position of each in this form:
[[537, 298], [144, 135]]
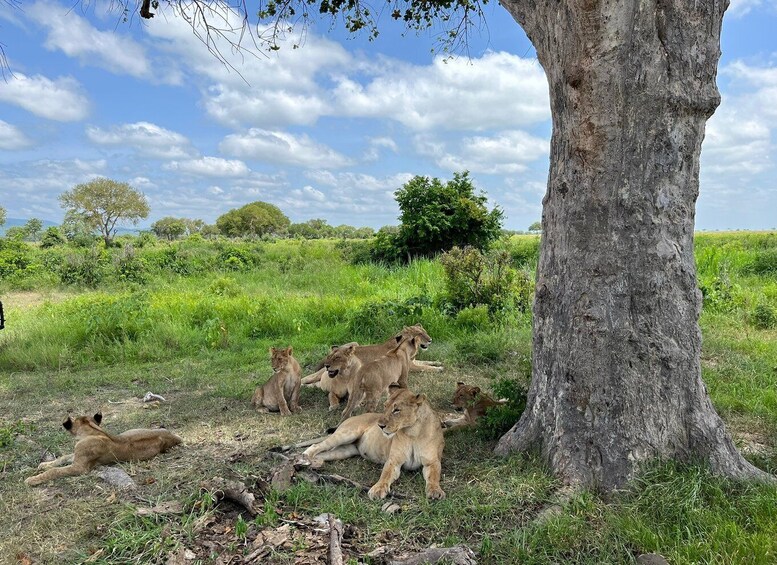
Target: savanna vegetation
[[97, 327]]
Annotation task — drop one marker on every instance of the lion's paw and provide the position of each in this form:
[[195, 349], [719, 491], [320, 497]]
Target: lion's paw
[[378, 491], [435, 493]]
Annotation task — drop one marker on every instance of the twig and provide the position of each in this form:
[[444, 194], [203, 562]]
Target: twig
[[335, 540], [234, 491]]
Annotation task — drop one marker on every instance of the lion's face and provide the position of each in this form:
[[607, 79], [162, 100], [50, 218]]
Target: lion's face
[[418, 332], [339, 359], [465, 396], [82, 425], [402, 410], [280, 357]]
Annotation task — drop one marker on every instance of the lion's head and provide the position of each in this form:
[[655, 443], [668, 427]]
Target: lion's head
[[280, 358], [83, 425], [402, 410], [465, 395], [339, 359], [417, 331]]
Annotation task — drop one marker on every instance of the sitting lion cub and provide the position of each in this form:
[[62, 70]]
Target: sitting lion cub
[[473, 402], [95, 446], [340, 366], [406, 436], [281, 392], [375, 377]]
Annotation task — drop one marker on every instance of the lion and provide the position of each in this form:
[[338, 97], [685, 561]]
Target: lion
[[95, 446], [340, 366], [473, 402], [374, 378], [281, 392], [367, 353], [406, 436]]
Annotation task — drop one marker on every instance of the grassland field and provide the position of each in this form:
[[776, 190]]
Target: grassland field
[[95, 329]]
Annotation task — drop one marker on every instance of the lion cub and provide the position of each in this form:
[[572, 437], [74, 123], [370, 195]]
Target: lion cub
[[406, 436], [281, 392], [473, 402], [95, 446], [374, 378], [340, 366]]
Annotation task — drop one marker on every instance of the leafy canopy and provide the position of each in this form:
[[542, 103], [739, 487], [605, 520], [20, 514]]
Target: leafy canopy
[[438, 216], [102, 202], [256, 218], [2, 216]]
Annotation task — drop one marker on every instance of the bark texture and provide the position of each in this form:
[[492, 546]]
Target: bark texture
[[616, 348]]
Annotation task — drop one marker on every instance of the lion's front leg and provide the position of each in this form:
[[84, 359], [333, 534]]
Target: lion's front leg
[[390, 474], [56, 462], [422, 366], [313, 378], [334, 401], [76, 468], [432, 472]]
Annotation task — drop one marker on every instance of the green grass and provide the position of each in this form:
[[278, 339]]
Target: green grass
[[200, 337]]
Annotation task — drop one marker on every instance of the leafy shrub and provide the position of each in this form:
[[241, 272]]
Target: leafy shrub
[[763, 263], [16, 259], [145, 239], [52, 237], [129, 267], [117, 318], [386, 246], [524, 251], [83, 268], [474, 278], [499, 419], [719, 294], [763, 316], [473, 317], [234, 258], [355, 252], [378, 320], [225, 286]]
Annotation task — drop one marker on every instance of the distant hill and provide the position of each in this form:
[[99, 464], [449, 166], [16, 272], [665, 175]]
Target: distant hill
[[11, 222]]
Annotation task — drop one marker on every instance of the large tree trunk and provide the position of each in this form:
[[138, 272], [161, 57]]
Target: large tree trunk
[[617, 378]]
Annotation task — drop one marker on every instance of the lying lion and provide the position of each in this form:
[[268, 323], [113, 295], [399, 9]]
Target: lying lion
[[367, 353], [281, 392], [473, 402], [406, 436], [375, 378], [95, 446]]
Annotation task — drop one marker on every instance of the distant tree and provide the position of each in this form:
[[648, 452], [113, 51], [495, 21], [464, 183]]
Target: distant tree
[[103, 202], [256, 218], [535, 227], [17, 233], [77, 229], [312, 229], [2, 216], [33, 228], [209, 231], [170, 228], [437, 217], [363, 233], [193, 226], [52, 237]]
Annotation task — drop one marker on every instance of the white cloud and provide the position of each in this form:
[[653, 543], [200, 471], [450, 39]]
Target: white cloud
[[210, 167], [498, 90], [739, 8], [61, 99], [12, 138], [278, 147], [359, 183], [508, 152], [76, 37], [376, 144], [146, 138]]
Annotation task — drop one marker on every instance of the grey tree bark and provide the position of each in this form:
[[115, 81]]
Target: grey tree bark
[[616, 349]]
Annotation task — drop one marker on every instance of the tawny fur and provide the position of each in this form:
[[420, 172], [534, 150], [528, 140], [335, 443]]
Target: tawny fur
[[340, 366], [95, 446], [406, 436], [375, 377], [281, 392], [473, 402]]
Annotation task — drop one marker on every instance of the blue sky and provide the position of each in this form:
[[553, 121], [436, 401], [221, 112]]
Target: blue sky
[[332, 129]]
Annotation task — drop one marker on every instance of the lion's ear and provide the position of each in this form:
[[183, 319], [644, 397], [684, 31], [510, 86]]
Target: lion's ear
[[476, 390], [333, 347], [419, 398], [272, 350], [460, 383], [398, 338], [394, 386], [289, 350], [98, 417], [351, 349], [68, 424]]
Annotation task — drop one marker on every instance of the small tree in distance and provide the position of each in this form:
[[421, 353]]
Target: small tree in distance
[[103, 202], [169, 228], [256, 218], [437, 217], [2, 216], [536, 227], [33, 228]]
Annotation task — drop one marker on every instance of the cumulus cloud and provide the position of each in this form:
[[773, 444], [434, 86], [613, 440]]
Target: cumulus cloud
[[498, 90], [77, 37], [739, 8], [282, 148], [508, 152], [12, 138], [210, 167], [376, 145], [61, 99], [146, 138]]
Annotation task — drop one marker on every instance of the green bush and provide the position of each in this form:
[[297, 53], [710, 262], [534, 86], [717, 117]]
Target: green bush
[[375, 321], [16, 259], [355, 251], [225, 286], [386, 246], [83, 268], [498, 420], [763, 316], [129, 267], [475, 278], [763, 263], [473, 317], [719, 294], [52, 237]]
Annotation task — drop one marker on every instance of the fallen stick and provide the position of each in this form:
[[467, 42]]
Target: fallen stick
[[335, 541], [232, 490]]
